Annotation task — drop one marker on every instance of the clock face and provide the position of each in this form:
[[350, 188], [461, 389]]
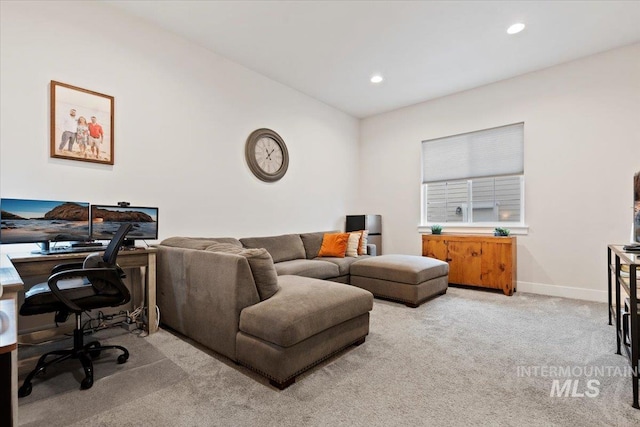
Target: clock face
[[266, 155]]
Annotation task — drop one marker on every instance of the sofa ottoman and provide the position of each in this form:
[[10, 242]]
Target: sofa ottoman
[[407, 278], [305, 322]]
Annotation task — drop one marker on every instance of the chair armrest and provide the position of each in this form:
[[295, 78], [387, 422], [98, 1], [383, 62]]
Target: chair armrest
[[63, 267], [110, 275]]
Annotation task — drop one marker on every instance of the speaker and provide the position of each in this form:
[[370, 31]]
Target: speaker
[[373, 223]]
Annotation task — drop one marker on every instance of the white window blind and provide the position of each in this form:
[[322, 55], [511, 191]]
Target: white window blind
[[486, 153]]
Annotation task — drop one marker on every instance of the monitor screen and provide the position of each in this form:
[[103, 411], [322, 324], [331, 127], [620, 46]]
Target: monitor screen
[[36, 221], [105, 221]]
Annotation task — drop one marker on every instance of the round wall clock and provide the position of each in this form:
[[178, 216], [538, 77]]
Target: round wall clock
[[266, 155]]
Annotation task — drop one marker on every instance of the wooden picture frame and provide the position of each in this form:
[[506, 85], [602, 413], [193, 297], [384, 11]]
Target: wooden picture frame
[[90, 114]]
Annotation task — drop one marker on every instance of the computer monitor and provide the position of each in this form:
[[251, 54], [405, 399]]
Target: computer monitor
[[43, 221], [105, 221]]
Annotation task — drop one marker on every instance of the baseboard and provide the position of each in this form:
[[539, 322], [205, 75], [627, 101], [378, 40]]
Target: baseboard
[[564, 291]]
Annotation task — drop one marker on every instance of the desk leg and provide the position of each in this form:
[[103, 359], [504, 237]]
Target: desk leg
[[618, 310], [635, 337], [14, 386], [8, 387], [610, 299], [136, 277], [150, 294], [9, 364]]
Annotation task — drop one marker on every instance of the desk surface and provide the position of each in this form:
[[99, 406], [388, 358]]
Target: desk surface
[[27, 256], [626, 257], [10, 280], [28, 264]]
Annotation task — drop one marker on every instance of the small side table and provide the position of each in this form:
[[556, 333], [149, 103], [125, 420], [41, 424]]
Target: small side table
[[616, 257]]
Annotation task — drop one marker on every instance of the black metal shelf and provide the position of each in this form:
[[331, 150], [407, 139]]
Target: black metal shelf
[[616, 257]]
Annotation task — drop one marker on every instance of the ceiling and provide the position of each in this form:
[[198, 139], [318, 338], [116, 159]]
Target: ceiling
[[424, 49]]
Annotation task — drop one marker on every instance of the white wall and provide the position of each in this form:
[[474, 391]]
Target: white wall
[[582, 146], [182, 116]]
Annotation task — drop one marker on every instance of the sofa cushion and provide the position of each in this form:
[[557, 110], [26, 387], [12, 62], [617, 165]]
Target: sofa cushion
[[304, 307], [334, 245], [343, 264], [281, 248], [411, 269], [261, 264], [198, 242], [309, 268], [313, 241]]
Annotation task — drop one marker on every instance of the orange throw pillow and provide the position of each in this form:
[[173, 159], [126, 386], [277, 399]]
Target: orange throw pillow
[[334, 245]]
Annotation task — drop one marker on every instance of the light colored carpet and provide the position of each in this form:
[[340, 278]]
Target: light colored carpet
[[451, 362], [56, 399]]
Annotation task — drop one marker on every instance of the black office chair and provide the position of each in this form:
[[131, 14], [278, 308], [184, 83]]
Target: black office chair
[[75, 288]]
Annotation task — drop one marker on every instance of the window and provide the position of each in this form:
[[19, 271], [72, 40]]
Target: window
[[476, 178]]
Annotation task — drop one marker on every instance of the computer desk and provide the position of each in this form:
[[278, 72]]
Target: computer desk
[[138, 263]]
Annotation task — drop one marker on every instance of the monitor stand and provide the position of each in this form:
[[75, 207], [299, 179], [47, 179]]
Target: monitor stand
[[45, 247], [129, 244]]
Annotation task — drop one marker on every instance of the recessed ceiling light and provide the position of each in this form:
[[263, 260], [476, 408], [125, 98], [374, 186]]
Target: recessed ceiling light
[[376, 79], [515, 28]]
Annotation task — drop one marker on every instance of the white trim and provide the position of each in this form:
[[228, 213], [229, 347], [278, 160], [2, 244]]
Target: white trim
[[563, 291], [485, 228]]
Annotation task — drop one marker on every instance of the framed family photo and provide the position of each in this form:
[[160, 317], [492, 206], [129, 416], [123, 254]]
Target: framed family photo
[[81, 124]]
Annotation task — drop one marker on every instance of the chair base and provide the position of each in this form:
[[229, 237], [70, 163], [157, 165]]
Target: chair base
[[82, 352]]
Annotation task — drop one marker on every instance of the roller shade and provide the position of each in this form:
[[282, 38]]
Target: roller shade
[[490, 152]]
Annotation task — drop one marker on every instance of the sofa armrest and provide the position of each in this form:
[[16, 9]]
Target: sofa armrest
[[372, 249], [201, 294]]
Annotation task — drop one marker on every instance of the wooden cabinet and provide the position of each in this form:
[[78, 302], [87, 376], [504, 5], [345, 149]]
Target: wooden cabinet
[[484, 261]]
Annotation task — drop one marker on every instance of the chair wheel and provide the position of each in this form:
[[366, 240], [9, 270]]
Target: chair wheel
[[25, 390], [123, 358], [86, 383]]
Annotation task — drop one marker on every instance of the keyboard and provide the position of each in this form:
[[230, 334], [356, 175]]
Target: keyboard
[[86, 245], [73, 250]]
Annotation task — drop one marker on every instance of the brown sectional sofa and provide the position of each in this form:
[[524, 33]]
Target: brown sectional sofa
[[212, 298]]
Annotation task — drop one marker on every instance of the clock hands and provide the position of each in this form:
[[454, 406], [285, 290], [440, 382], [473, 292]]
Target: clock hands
[[269, 153]]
